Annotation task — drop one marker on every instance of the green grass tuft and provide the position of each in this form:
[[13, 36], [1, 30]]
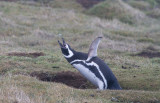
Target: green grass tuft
[[145, 40]]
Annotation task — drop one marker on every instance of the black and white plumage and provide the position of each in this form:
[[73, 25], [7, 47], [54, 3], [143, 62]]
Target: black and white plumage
[[90, 66]]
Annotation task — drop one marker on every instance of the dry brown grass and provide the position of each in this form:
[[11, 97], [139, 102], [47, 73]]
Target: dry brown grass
[[26, 29]]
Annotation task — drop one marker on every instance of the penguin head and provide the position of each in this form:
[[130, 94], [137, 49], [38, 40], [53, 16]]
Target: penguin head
[[66, 49]]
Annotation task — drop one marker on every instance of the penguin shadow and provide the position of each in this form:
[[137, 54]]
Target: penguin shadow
[[71, 79]]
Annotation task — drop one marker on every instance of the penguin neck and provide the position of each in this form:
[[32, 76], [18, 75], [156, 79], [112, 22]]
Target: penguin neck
[[77, 56]]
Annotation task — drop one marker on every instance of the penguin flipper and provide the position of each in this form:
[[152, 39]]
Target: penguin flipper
[[93, 48]]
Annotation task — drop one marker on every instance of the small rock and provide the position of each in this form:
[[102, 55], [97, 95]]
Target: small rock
[[123, 67], [55, 67], [114, 99], [15, 102], [92, 95]]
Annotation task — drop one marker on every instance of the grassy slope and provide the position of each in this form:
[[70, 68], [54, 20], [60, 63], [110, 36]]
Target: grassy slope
[[111, 9], [33, 29], [149, 7]]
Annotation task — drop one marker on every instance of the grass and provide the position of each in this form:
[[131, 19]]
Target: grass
[[155, 13], [145, 40], [70, 4], [142, 5], [27, 29], [111, 9], [149, 7]]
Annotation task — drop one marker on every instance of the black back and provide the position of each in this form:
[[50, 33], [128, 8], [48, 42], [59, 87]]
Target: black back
[[110, 77], [108, 74]]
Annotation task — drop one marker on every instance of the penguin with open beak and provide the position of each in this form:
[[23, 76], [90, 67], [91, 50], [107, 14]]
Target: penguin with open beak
[[90, 66]]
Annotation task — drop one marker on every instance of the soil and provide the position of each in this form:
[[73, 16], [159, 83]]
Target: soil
[[149, 54], [89, 3], [130, 66], [72, 79], [9, 0], [32, 55]]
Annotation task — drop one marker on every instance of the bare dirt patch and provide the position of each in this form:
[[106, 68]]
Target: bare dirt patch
[[32, 55], [149, 54], [7, 0], [89, 3], [72, 79], [129, 66]]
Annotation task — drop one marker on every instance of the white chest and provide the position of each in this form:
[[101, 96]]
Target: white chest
[[88, 74]]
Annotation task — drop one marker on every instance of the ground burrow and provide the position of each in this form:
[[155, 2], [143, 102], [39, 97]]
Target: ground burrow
[[32, 54], [72, 79]]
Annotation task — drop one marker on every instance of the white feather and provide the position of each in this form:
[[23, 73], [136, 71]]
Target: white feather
[[89, 75]]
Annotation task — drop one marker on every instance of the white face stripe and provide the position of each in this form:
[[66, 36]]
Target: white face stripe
[[70, 52], [93, 64]]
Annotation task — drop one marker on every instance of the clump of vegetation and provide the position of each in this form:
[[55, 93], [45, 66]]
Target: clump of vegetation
[[154, 13], [142, 5], [123, 33], [111, 9], [150, 7], [145, 40], [67, 4]]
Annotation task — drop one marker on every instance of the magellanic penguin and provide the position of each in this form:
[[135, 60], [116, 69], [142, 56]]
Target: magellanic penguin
[[90, 66]]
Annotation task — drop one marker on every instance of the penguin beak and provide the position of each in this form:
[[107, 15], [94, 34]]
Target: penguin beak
[[62, 45]]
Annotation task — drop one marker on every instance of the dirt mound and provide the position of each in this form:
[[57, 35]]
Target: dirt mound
[[88, 3], [32, 55], [9, 0], [149, 54], [117, 9], [69, 78]]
